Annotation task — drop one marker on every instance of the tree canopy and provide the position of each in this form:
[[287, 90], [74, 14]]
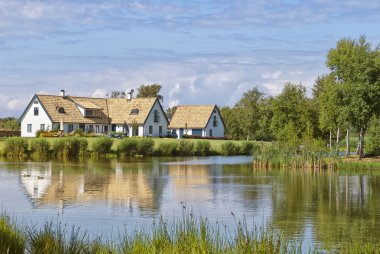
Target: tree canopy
[[145, 91]]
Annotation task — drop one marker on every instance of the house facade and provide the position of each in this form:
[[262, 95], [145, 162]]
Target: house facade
[[133, 116], [197, 120]]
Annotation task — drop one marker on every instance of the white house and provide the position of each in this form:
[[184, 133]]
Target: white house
[[197, 120], [135, 116]]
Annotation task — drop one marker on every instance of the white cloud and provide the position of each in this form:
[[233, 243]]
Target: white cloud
[[99, 93], [271, 75], [15, 104]]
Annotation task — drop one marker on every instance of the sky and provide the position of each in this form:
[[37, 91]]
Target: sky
[[200, 51]]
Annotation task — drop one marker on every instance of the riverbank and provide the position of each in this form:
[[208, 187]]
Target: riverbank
[[187, 234]]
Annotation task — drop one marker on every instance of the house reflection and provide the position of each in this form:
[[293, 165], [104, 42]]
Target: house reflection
[[118, 185]]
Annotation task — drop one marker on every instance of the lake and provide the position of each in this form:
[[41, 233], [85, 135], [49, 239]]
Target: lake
[[105, 197]]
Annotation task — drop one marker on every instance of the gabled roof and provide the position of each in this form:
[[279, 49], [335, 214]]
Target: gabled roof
[[71, 113], [191, 116], [120, 109], [113, 110]]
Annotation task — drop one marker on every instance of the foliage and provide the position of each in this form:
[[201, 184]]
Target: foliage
[[69, 147], [185, 148], [40, 147], [9, 123], [117, 94], [101, 146], [127, 146], [373, 138], [229, 148], [148, 91], [170, 112], [12, 240], [167, 148], [145, 146], [247, 147], [16, 146], [202, 147]]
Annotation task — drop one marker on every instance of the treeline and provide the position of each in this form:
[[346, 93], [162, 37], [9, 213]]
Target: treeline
[[344, 102], [73, 147], [10, 124]]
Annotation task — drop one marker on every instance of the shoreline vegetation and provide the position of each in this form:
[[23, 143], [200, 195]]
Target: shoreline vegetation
[[186, 234], [73, 147]]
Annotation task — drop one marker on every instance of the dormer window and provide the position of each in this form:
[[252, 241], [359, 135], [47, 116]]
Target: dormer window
[[134, 111], [35, 102], [93, 113], [156, 116], [60, 109]]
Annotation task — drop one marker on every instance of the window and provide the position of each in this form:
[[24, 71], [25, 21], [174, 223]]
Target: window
[[35, 102], [29, 128], [150, 129], [215, 122], [93, 113], [105, 128], [156, 116], [97, 128], [159, 130], [60, 109], [36, 111], [70, 127], [90, 128], [42, 127], [134, 111], [210, 133]]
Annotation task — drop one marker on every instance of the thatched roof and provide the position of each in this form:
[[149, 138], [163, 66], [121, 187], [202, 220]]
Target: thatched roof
[[120, 110], [113, 111], [191, 116]]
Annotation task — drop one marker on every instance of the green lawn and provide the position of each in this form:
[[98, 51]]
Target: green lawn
[[215, 144]]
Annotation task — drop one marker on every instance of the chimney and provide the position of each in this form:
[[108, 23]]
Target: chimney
[[62, 93], [130, 95]]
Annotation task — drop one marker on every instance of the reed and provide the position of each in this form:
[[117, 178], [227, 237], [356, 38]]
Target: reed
[[40, 147], [16, 146], [102, 146]]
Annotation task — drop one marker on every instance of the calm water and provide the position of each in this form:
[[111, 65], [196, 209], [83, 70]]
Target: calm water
[[323, 208]]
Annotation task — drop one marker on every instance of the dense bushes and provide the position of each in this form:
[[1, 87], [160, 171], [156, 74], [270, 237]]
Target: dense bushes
[[16, 146], [185, 148], [167, 148], [127, 147], [101, 146], [145, 146], [229, 148], [40, 147], [202, 148], [70, 147]]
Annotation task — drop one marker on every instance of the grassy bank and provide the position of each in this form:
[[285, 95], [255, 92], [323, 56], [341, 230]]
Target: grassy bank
[[184, 235]]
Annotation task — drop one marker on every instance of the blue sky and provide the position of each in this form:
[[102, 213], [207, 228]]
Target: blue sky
[[200, 51]]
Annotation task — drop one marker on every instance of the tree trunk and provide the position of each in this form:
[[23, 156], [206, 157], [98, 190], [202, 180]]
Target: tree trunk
[[348, 142], [330, 142], [337, 141], [361, 143]]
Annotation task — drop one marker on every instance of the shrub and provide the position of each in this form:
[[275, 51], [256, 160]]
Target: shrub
[[185, 148], [69, 147], [101, 146], [373, 137], [127, 146], [167, 148], [145, 146], [40, 147], [79, 132], [16, 146], [11, 240], [229, 148], [202, 148], [247, 147]]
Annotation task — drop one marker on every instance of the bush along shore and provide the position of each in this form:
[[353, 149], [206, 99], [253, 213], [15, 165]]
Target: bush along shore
[[72, 147], [187, 234]]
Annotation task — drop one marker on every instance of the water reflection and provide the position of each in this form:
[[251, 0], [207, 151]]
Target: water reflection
[[324, 207]]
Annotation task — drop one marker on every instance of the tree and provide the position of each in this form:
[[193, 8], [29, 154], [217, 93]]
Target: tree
[[145, 91], [355, 66], [9, 123], [170, 112], [117, 94]]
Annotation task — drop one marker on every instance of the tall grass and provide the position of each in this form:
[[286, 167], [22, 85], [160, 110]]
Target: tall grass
[[145, 146], [12, 240], [167, 148], [70, 147], [229, 148], [102, 146], [16, 146], [40, 147], [202, 147], [185, 148]]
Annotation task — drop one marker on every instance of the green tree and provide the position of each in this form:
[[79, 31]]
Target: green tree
[[355, 66], [145, 91], [9, 123]]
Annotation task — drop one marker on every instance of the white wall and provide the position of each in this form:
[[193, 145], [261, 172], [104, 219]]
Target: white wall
[[150, 122], [36, 121], [216, 131]]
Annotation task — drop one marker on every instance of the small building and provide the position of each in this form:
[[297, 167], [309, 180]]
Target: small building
[[197, 120], [132, 116]]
